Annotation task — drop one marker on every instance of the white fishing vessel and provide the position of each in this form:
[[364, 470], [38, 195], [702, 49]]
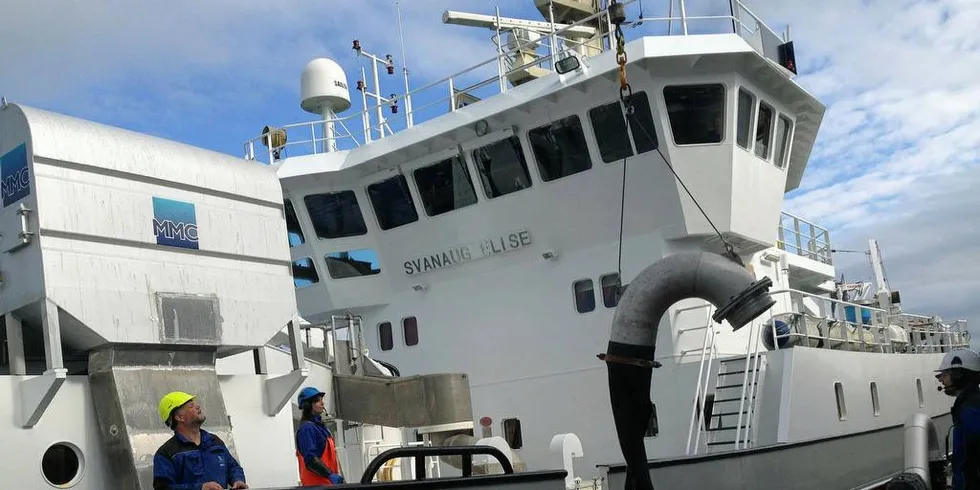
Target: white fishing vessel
[[456, 264]]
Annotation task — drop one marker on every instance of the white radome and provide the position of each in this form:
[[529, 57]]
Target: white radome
[[324, 86]]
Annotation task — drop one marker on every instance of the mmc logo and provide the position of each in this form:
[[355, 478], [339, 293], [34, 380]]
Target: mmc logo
[[174, 223], [15, 177]]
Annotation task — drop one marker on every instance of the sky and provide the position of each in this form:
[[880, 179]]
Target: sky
[[896, 156]]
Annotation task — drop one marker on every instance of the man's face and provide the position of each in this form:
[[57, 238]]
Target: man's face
[[946, 380], [190, 413]]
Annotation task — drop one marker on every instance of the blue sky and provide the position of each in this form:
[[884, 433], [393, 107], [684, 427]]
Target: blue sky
[[896, 157]]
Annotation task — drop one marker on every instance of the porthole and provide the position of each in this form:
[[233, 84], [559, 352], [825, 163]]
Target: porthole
[[62, 465]]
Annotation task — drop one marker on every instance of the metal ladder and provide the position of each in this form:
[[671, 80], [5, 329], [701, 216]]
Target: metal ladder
[[731, 414], [726, 413]]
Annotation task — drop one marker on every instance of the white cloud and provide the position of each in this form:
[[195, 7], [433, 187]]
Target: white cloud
[[213, 59], [896, 156]]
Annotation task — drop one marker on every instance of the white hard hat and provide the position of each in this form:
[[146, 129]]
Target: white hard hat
[[960, 358]]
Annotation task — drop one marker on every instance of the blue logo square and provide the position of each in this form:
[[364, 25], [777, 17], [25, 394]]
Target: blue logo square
[[174, 223], [15, 176]]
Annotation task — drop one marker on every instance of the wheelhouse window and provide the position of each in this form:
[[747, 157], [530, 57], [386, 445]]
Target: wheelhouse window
[[335, 214], [502, 167], [445, 186], [560, 149], [584, 295], [392, 202], [410, 329], [304, 273], [352, 263], [293, 231], [609, 127], [386, 336], [696, 113], [783, 129], [746, 109], [763, 131], [611, 291]]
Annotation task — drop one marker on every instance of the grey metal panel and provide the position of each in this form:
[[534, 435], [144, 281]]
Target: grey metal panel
[[415, 401], [189, 318], [839, 463], [128, 382]]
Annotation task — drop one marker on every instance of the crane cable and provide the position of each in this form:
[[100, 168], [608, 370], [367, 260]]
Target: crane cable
[[617, 15]]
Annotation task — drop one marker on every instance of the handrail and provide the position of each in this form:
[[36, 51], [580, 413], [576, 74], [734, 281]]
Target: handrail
[[939, 336], [701, 391], [559, 44], [804, 238], [420, 453]]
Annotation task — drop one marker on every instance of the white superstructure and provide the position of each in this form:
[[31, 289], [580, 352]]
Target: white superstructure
[[491, 240]]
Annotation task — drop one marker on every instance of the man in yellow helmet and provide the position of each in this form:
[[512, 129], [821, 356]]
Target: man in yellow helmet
[[193, 459]]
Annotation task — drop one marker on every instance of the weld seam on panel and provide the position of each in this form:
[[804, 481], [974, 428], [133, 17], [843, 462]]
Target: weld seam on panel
[[67, 235], [81, 167]]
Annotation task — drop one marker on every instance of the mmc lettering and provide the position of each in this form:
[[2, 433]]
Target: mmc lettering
[[19, 181], [15, 176], [175, 231], [175, 223]]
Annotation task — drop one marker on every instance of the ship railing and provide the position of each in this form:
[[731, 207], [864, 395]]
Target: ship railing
[[708, 354], [801, 237], [930, 334], [488, 78], [923, 334]]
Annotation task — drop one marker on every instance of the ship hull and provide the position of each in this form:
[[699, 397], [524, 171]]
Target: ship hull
[[852, 461]]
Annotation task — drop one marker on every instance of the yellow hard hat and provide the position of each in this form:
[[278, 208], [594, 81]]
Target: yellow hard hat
[[170, 401]]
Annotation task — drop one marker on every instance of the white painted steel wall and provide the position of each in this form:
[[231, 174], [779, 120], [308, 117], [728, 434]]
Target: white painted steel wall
[[94, 190]]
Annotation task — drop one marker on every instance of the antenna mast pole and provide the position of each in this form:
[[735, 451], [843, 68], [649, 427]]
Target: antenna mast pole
[[409, 117], [389, 65]]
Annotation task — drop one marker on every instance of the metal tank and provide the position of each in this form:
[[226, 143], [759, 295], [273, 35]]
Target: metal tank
[[143, 258]]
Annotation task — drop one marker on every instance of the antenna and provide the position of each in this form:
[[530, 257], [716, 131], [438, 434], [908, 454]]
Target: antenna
[[409, 117], [389, 65]]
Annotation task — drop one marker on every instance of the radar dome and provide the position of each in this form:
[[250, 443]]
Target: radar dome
[[323, 86]]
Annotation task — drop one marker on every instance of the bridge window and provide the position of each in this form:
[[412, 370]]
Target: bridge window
[[304, 273], [696, 113], [610, 289], [783, 130], [560, 148], [392, 202], [352, 263], [410, 329], [763, 131], [502, 167], [293, 231], [335, 214], [746, 110], [609, 126], [445, 186], [385, 336], [584, 295]]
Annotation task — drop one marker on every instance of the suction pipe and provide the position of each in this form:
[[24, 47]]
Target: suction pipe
[[629, 358]]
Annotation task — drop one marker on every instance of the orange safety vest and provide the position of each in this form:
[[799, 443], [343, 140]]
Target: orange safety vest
[[329, 458]]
